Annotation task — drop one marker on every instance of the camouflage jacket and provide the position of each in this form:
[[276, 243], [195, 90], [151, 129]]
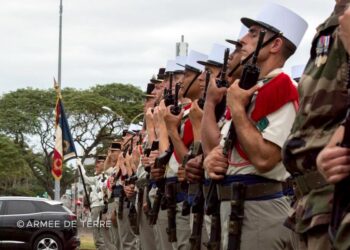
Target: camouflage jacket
[[323, 104]]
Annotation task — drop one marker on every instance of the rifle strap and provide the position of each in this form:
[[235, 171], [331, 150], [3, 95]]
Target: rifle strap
[[191, 83]]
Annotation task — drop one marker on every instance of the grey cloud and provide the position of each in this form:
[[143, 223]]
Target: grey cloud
[[121, 41]]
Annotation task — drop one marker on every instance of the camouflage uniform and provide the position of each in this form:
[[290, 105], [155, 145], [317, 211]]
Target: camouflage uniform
[[323, 104]]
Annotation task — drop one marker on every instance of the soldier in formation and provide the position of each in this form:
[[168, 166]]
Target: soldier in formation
[[234, 153]]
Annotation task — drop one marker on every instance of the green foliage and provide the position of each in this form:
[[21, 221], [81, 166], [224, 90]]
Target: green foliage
[[27, 117], [16, 178]]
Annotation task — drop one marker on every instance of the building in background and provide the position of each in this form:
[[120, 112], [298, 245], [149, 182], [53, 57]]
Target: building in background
[[182, 47]]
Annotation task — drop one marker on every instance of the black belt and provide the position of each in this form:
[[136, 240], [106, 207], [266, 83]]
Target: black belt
[[253, 191]]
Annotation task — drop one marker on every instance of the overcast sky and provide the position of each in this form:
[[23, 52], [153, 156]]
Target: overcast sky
[[108, 41]]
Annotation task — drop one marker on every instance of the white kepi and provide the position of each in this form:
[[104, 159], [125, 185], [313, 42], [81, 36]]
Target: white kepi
[[216, 56], [173, 67], [277, 18], [242, 32], [192, 61]]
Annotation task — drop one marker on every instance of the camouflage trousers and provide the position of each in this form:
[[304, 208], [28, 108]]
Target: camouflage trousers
[[316, 238], [342, 239]]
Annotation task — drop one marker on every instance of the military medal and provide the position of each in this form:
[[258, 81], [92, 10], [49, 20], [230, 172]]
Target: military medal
[[318, 52], [326, 42]]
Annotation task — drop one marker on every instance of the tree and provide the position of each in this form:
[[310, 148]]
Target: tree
[[15, 176], [27, 116]]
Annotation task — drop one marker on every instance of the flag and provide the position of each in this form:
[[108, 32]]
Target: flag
[[64, 144]]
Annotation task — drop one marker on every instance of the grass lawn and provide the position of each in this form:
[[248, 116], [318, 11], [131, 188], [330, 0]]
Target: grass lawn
[[86, 242]]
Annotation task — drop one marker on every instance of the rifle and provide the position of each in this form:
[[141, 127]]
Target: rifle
[[198, 217], [198, 204], [201, 100], [160, 162], [222, 83], [341, 199], [196, 149], [170, 195], [169, 98], [250, 56], [175, 110], [131, 148], [155, 146], [133, 218], [171, 206], [248, 79], [126, 150], [121, 204]]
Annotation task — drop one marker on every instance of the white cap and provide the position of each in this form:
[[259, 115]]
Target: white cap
[[170, 65], [216, 56], [192, 61], [180, 60], [173, 65], [277, 18], [134, 127], [297, 71]]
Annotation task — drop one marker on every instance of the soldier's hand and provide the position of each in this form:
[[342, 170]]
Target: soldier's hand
[[196, 113], [136, 155], [216, 164], [145, 161], [162, 110], [149, 117], [108, 161], [214, 94], [129, 190], [152, 157], [181, 174], [334, 163], [237, 98], [344, 29], [157, 173], [156, 119], [145, 207], [111, 181], [194, 169], [172, 122], [148, 162]]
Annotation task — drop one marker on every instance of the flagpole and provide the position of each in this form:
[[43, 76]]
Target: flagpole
[[60, 46], [57, 182]]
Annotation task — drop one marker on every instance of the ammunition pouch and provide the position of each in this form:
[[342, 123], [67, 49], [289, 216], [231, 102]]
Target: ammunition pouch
[[307, 182]]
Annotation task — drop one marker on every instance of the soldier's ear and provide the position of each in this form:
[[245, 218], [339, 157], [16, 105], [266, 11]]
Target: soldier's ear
[[276, 46]]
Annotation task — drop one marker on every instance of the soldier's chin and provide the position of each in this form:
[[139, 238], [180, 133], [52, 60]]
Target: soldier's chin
[[243, 58]]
